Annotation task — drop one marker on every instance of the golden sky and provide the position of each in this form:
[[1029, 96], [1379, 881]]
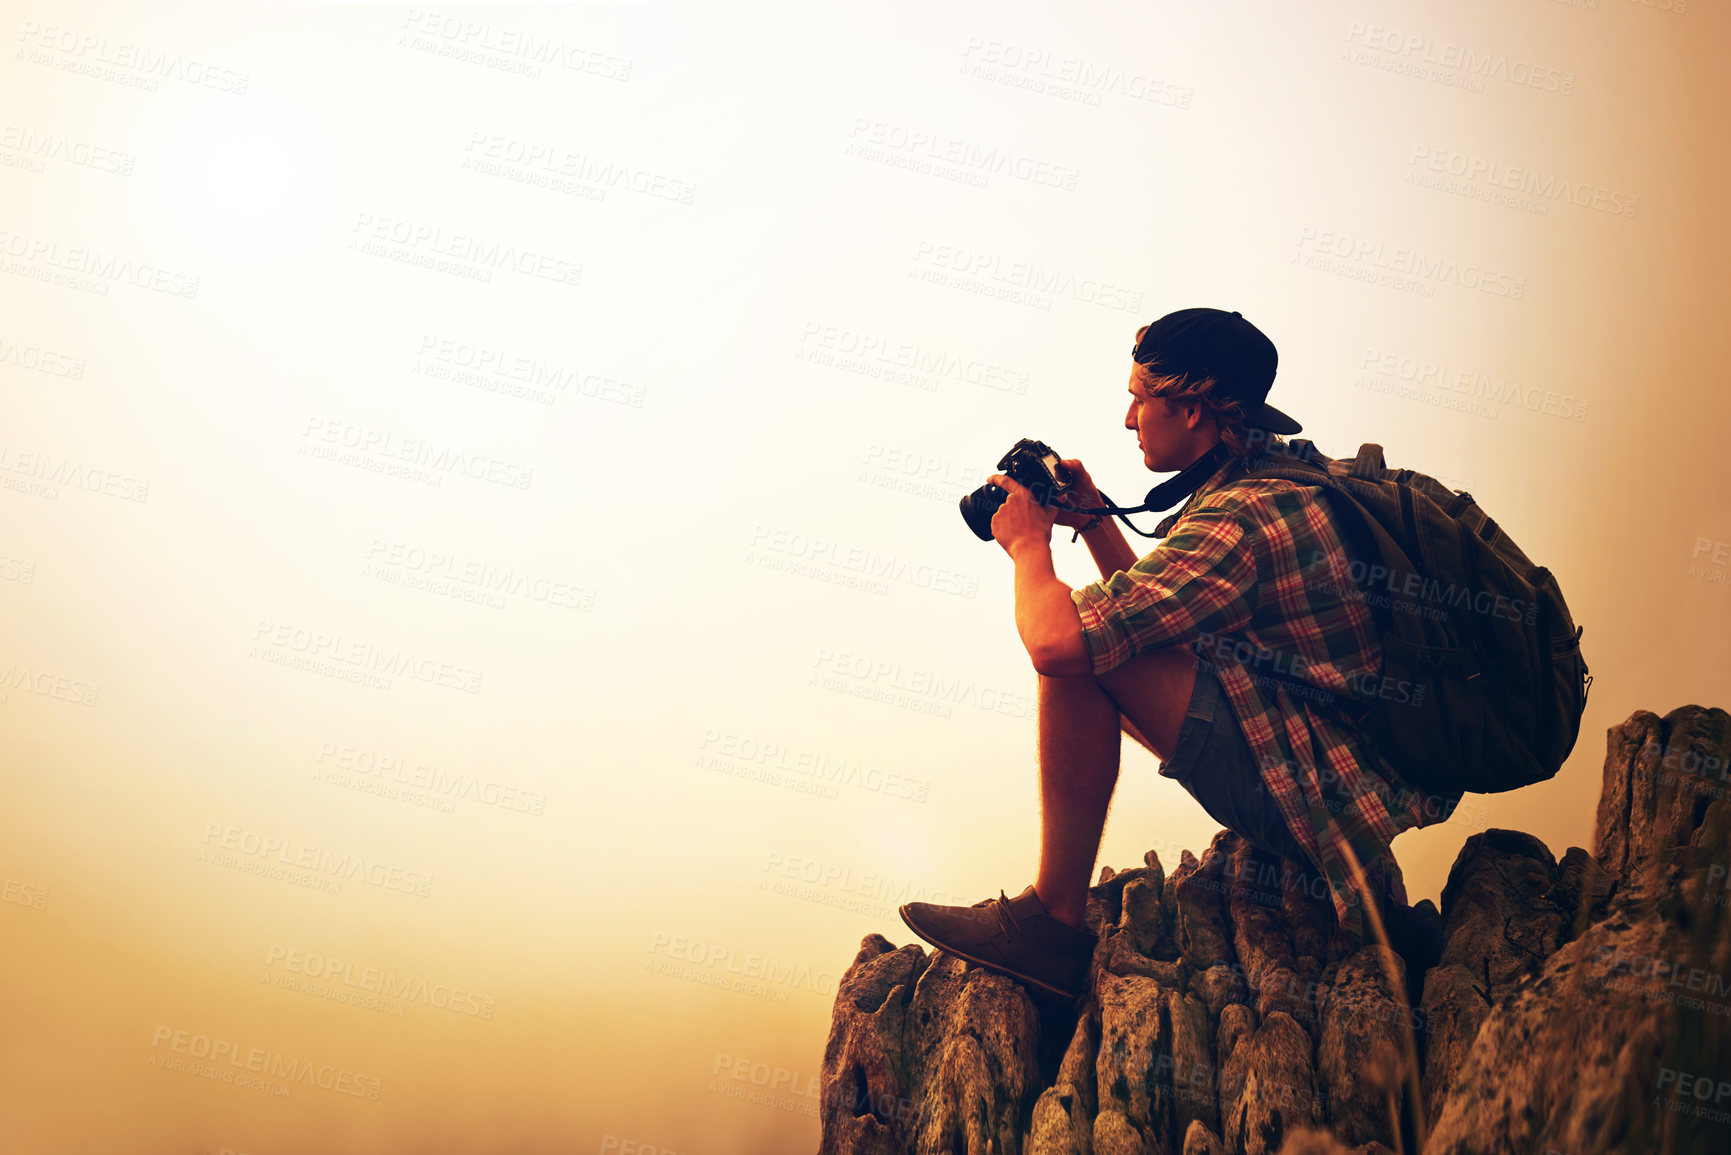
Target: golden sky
[[487, 628]]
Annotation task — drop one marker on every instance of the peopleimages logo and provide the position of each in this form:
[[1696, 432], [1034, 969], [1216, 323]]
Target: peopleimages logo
[[106, 268], [415, 451], [1471, 383], [825, 553], [872, 139], [94, 55], [928, 691], [40, 360], [282, 643], [1070, 77], [880, 348], [716, 958], [469, 254], [752, 756], [37, 147], [1269, 667], [49, 685], [933, 257], [1683, 1086], [1420, 588], [478, 42], [497, 369], [540, 162], [1422, 54], [844, 879], [44, 467], [234, 840], [255, 1061], [380, 767], [1363, 258], [1497, 178], [374, 980]]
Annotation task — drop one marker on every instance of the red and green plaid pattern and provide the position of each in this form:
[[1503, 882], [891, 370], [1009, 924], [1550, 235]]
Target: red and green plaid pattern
[[1236, 579]]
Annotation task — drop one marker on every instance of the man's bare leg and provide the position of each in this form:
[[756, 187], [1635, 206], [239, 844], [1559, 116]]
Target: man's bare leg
[[1079, 722], [1078, 772]]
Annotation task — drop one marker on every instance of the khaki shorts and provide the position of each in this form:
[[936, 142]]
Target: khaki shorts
[[1214, 764]]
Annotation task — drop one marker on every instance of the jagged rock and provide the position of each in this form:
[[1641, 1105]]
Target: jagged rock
[[1259, 933], [1132, 1035], [1501, 920], [865, 1064], [1155, 1062], [1572, 1005], [1236, 1022], [1106, 898], [1199, 1140], [1219, 986], [1500, 915], [973, 1036], [1312, 1142], [1117, 954], [1064, 1114], [1142, 919], [1361, 1049], [1192, 1058], [1116, 1135], [1203, 929], [1660, 776], [1641, 993], [1454, 1008], [953, 1064], [1309, 914], [1575, 877], [1268, 1086]]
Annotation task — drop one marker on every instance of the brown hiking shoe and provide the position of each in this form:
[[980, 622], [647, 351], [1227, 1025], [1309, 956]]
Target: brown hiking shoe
[[1013, 936]]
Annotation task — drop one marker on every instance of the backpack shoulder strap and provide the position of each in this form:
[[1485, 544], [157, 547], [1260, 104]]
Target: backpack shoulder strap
[[1300, 461], [1368, 464], [1292, 466], [1365, 514]]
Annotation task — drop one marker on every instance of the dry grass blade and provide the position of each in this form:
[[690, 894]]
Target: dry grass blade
[[1409, 1040]]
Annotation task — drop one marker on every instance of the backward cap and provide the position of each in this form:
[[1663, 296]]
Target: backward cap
[[1204, 342]]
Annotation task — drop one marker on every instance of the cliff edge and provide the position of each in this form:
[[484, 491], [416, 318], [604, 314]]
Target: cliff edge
[[1573, 1006]]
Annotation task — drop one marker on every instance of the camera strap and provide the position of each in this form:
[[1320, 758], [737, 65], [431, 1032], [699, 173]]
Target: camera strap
[[1171, 491]]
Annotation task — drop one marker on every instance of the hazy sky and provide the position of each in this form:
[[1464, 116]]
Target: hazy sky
[[487, 628]]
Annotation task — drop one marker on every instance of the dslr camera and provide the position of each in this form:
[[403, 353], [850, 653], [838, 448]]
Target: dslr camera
[[1033, 463]]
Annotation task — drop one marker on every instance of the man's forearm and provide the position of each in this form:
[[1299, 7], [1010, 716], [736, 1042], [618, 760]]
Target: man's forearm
[[1046, 616], [1111, 551]]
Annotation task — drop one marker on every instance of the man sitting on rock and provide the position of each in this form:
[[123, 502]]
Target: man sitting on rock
[[1220, 651]]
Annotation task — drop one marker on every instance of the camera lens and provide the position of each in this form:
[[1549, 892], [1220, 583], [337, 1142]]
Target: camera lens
[[979, 506]]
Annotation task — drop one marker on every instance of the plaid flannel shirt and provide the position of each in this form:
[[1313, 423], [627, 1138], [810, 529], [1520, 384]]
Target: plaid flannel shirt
[[1242, 577]]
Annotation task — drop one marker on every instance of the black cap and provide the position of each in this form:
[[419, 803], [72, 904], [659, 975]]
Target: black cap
[[1213, 343]]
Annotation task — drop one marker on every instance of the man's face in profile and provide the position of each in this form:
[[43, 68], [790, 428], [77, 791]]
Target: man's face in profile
[[1162, 431]]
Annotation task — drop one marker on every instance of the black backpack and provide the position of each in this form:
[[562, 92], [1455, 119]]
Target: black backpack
[[1483, 681]]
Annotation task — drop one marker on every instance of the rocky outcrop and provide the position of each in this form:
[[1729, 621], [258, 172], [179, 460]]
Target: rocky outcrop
[[1615, 1040], [1575, 1006]]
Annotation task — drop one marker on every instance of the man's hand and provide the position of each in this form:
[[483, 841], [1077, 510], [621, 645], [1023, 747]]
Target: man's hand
[[1046, 616], [1021, 520], [1082, 495]]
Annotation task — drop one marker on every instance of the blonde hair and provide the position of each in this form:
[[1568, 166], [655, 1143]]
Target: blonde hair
[[1228, 413]]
